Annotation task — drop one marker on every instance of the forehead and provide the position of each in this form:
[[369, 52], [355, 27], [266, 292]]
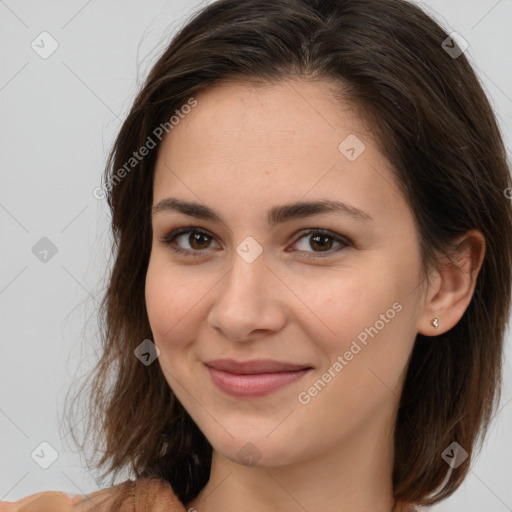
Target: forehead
[[263, 141], [263, 121]]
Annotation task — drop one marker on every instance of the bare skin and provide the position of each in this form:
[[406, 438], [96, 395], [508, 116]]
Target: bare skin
[[304, 299]]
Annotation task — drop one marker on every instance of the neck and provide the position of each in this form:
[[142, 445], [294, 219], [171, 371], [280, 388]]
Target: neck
[[354, 475]]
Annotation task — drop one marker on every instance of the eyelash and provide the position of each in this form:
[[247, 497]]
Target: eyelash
[[169, 238]]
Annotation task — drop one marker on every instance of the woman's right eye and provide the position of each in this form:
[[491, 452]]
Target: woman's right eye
[[197, 239]]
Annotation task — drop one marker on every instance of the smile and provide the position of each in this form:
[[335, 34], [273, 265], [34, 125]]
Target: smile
[[254, 384]]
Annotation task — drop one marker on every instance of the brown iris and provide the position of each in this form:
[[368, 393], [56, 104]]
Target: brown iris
[[197, 238], [324, 242]]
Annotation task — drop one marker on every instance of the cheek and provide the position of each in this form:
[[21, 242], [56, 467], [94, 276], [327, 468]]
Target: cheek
[[343, 303], [365, 317], [169, 297], [169, 303], [374, 349]]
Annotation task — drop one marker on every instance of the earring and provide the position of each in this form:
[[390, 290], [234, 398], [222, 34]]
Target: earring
[[435, 322]]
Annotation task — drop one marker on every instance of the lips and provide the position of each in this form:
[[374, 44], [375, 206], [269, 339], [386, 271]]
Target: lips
[[251, 379]]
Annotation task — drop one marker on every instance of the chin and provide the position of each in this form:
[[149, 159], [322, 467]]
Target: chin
[[257, 450]]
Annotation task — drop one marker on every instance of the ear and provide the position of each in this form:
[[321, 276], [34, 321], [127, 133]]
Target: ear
[[453, 285]]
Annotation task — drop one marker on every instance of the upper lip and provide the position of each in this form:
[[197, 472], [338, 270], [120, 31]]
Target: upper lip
[[254, 366]]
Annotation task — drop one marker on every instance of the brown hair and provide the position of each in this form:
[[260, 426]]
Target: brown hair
[[433, 123]]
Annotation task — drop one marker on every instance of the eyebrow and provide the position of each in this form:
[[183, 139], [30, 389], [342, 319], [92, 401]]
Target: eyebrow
[[276, 215]]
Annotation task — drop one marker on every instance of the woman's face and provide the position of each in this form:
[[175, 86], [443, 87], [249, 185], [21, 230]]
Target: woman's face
[[257, 281]]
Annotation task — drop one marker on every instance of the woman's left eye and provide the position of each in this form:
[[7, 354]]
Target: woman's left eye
[[199, 241], [323, 240]]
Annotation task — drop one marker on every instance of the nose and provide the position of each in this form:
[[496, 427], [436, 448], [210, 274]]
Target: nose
[[248, 301]]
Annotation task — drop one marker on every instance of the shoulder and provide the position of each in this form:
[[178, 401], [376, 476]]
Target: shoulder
[[148, 495]]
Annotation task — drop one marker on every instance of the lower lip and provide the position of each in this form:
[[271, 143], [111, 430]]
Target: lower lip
[[256, 385]]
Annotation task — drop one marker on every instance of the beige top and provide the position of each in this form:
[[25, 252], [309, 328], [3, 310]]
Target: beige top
[[142, 495]]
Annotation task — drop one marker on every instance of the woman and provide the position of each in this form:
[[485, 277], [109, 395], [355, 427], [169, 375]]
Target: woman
[[312, 275]]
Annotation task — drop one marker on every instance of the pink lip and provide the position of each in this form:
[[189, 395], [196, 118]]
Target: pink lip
[[253, 378]]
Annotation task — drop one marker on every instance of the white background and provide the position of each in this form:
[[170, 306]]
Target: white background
[[58, 119]]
